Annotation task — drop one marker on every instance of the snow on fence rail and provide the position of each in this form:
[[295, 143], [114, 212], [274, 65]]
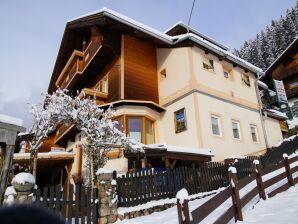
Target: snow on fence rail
[[272, 180]]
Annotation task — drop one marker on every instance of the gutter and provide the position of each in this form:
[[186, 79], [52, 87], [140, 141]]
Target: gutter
[[260, 110]]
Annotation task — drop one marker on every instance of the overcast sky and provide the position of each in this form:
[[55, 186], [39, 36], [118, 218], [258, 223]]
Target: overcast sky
[[31, 32]]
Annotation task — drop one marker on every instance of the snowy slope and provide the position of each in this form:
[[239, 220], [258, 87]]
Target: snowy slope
[[282, 208]]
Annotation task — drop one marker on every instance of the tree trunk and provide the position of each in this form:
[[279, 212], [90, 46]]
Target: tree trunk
[[5, 170]]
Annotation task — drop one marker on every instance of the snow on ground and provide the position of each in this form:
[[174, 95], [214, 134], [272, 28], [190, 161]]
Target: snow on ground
[[282, 208], [170, 216]]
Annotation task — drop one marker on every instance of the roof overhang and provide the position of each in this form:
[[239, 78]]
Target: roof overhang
[[149, 104], [292, 48]]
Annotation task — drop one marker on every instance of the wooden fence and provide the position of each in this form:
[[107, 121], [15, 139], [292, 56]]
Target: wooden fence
[[286, 168], [74, 204], [146, 185]]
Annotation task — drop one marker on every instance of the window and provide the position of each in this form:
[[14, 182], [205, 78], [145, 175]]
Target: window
[[216, 127], [140, 129], [245, 79], [236, 129], [180, 120], [227, 73], [135, 128], [208, 64], [102, 85], [163, 74], [254, 133], [149, 132]]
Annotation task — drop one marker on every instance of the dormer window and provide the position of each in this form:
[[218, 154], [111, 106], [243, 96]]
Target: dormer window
[[208, 64], [245, 79]]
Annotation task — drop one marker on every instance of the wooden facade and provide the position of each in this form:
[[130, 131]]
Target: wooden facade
[[140, 69]]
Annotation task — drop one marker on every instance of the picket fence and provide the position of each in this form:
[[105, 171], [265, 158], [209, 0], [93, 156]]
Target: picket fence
[[74, 203]]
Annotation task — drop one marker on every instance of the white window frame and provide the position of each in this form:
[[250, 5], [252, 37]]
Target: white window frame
[[218, 124], [256, 132], [238, 128]]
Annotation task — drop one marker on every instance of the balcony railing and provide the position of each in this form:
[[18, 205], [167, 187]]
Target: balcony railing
[[62, 131], [73, 66], [78, 62], [94, 94]]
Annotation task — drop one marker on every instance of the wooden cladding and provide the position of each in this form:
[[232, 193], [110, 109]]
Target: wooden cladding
[[79, 61], [140, 70]]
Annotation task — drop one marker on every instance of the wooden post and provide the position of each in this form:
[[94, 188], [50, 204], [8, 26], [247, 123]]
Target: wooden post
[[5, 170], [288, 170], [258, 172], [186, 212], [235, 194], [179, 211]]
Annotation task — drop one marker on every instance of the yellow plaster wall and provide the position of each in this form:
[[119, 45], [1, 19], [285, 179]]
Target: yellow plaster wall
[[273, 131], [226, 145], [176, 63], [233, 87]]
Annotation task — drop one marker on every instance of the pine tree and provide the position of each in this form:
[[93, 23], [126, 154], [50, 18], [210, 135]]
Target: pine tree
[[272, 41]]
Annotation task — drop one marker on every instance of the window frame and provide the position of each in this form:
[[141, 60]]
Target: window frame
[[256, 133], [143, 127], [238, 128], [176, 123], [218, 123]]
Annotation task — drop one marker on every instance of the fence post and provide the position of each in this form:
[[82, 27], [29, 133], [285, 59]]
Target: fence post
[[235, 194], [179, 211], [258, 172], [186, 212], [288, 169]]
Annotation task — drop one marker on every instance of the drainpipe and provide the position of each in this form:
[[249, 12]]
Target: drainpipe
[[260, 110]]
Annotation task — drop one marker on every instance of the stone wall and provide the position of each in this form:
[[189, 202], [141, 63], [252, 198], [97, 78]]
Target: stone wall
[[107, 198]]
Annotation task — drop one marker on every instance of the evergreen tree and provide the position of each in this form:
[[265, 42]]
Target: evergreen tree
[[272, 41]]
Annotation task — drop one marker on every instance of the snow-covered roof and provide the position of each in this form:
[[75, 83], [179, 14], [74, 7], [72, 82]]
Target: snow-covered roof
[[220, 51], [128, 21], [11, 120], [45, 155], [196, 37], [180, 23], [262, 84], [180, 149], [276, 114]]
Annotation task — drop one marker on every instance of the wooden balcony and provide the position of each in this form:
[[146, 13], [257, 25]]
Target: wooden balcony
[[81, 67], [64, 133], [72, 68], [99, 96]]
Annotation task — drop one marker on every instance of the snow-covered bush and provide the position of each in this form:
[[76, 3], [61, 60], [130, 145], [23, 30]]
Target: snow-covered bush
[[96, 126]]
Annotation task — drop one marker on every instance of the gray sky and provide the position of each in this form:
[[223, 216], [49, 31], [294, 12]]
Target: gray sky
[[31, 32]]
